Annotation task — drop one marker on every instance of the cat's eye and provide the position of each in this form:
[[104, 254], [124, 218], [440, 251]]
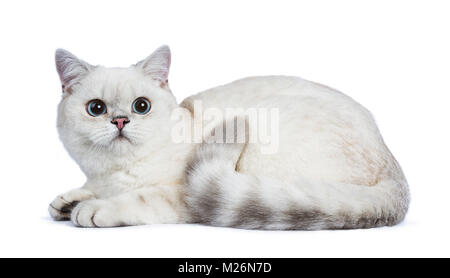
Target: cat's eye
[[141, 106], [96, 107]]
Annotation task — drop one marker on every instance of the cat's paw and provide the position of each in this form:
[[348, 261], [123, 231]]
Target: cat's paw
[[95, 213], [62, 206]]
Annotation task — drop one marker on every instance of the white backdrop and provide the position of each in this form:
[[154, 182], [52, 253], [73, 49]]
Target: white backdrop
[[391, 56]]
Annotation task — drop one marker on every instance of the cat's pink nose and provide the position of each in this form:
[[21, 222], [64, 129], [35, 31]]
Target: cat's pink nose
[[120, 122]]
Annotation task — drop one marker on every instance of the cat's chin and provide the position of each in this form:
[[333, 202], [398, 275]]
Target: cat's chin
[[121, 139], [120, 145]]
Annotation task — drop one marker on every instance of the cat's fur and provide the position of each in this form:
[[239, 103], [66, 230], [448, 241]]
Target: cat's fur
[[331, 170]]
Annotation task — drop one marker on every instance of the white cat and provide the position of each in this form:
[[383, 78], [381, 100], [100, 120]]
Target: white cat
[[330, 170]]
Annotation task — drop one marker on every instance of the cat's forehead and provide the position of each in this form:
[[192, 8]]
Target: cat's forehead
[[115, 84]]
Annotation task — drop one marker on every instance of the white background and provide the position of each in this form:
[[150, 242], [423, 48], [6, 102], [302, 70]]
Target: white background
[[391, 56]]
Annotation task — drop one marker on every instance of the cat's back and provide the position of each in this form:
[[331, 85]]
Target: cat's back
[[267, 91], [246, 92], [321, 132]]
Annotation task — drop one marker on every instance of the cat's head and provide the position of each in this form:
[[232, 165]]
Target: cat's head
[[114, 110]]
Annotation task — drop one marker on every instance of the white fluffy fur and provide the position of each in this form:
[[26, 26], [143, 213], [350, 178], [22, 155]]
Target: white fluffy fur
[[331, 157]]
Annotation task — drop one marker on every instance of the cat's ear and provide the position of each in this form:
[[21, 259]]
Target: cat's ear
[[157, 64], [70, 69]]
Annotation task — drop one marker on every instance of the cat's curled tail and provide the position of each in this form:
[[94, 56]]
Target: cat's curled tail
[[216, 194]]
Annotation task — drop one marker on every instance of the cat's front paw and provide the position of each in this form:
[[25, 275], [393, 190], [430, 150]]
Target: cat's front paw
[[62, 206], [95, 213]]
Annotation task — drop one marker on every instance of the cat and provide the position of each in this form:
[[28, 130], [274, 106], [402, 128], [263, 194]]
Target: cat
[[329, 168]]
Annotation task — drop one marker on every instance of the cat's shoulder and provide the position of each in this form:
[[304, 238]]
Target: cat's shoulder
[[244, 87]]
